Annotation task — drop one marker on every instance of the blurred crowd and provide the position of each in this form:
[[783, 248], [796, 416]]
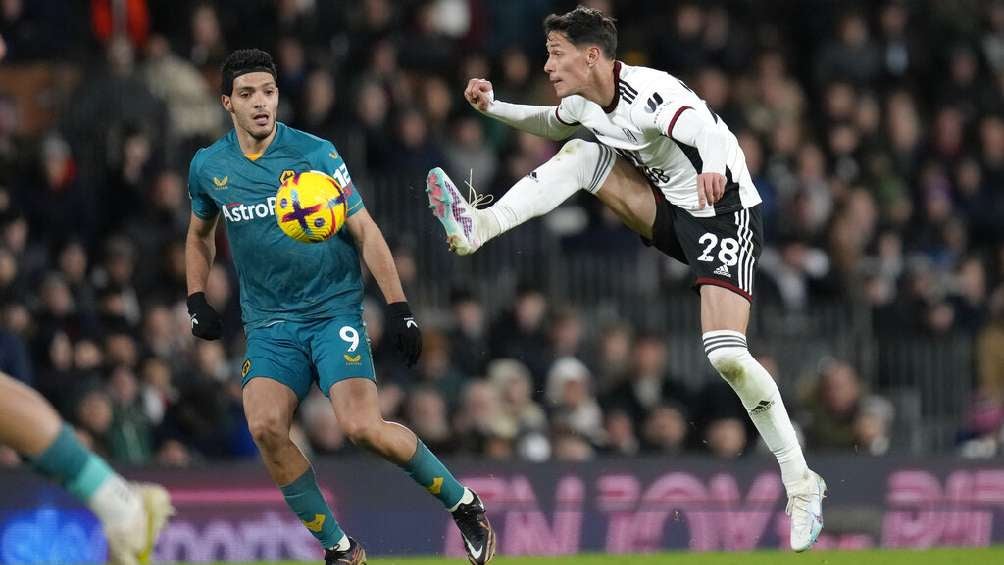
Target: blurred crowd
[[873, 130]]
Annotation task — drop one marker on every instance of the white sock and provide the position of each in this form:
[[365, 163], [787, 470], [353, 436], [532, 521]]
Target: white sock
[[467, 498], [760, 396], [114, 502], [580, 165], [343, 544]]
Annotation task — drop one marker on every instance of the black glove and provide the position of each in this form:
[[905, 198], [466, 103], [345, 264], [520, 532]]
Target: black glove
[[402, 329], [206, 321]]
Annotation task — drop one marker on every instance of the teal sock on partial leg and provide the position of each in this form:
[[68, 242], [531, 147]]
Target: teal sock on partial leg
[[427, 470], [70, 464], [305, 499], [64, 459], [87, 477]]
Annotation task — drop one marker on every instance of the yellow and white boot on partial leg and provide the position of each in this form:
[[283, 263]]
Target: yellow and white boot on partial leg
[[132, 539]]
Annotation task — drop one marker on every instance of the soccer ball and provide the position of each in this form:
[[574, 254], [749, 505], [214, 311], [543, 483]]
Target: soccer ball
[[310, 207]]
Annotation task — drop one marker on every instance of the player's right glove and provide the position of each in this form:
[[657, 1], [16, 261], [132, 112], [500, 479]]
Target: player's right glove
[[206, 321], [403, 331]]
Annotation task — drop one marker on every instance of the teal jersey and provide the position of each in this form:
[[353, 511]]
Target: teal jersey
[[280, 278]]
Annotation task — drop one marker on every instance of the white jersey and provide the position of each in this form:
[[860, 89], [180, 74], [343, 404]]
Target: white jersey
[[639, 126]]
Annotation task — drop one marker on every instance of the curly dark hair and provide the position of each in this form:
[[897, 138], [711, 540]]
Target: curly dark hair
[[244, 61], [585, 26]]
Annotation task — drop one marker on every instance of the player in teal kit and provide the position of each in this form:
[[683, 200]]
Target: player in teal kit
[[302, 308]]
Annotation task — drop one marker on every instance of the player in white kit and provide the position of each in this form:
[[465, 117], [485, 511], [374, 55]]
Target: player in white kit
[[672, 170]]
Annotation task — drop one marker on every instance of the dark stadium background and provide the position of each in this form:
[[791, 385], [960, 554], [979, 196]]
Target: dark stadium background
[[873, 130]]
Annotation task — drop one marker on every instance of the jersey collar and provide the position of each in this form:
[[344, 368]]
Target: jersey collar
[[617, 91], [279, 130]]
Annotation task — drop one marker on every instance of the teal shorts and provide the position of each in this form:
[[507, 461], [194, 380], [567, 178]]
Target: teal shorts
[[298, 354]]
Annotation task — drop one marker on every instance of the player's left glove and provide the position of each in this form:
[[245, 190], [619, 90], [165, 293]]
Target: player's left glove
[[403, 332]]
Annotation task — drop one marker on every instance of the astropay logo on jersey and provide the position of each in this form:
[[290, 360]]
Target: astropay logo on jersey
[[235, 212]]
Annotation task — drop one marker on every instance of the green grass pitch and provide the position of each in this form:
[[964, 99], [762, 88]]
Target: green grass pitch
[[870, 557]]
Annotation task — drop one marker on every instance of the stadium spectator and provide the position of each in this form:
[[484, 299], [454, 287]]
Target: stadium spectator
[[903, 53], [726, 438], [512, 380], [427, 413], [649, 384], [157, 388], [521, 333], [319, 111], [612, 360], [621, 440], [129, 436], [570, 400], [570, 446], [566, 333], [468, 333], [841, 416], [435, 368], [873, 426], [852, 54], [193, 110], [665, 430], [208, 46], [481, 420], [415, 152], [465, 148], [94, 418]]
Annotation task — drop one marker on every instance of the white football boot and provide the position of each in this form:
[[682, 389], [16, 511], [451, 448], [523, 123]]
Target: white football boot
[[131, 542], [459, 217], [805, 506]]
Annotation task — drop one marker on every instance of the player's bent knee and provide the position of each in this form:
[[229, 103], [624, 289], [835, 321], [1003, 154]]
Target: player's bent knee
[[364, 433], [575, 146], [729, 363], [268, 431], [728, 354], [583, 156]]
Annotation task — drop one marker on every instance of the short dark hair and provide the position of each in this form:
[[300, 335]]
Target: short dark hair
[[245, 61], [585, 26]]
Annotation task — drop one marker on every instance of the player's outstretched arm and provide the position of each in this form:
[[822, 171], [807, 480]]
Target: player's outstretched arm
[[538, 120], [376, 254], [200, 250], [402, 329]]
